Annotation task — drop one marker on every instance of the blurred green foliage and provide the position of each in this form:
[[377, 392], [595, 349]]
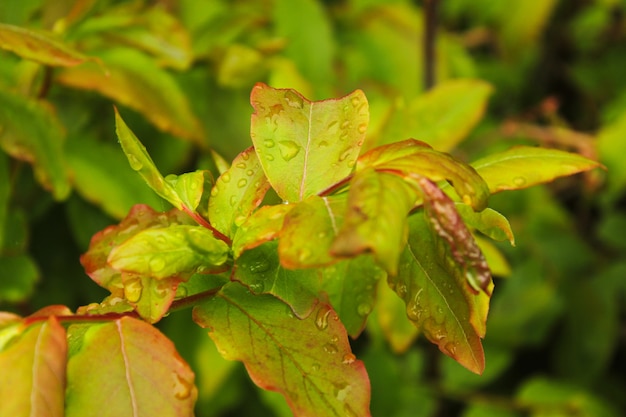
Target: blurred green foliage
[[181, 72]]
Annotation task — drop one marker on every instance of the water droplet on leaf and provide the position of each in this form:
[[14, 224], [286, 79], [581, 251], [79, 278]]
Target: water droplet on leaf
[[362, 128], [315, 367], [519, 181], [242, 183], [258, 266], [249, 172], [288, 149], [233, 200], [270, 157], [294, 100], [364, 309], [133, 289], [330, 348], [321, 319], [269, 143], [348, 358], [355, 101], [182, 387], [225, 177], [241, 165], [135, 163], [157, 264]]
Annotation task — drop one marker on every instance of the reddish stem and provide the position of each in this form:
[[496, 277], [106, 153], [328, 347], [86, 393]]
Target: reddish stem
[[203, 222]]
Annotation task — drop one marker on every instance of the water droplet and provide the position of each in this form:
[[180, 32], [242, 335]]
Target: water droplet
[[321, 319], [364, 309], [245, 156], [157, 264], [519, 181], [401, 290], [181, 292], [241, 165], [362, 128], [258, 266], [257, 287], [288, 149], [294, 100], [330, 348], [351, 163], [182, 387], [135, 163], [133, 289], [269, 143], [322, 144], [304, 254], [249, 172], [348, 358], [225, 177], [214, 191], [345, 154], [242, 183], [233, 200], [345, 124], [450, 347], [315, 367], [162, 289], [355, 101], [270, 157]]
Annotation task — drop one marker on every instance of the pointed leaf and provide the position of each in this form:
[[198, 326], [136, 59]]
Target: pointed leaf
[[33, 372], [260, 270], [135, 80], [262, 226], [524, 166], [30, 132], [437, 300], [308, 361], [378, 204], [38, 46], [140, 161], [414, 157], [141, 217], [237, 193], [309, 230], [489, 222], [304, 146], [128, 368], [163, 252], [447, 223], [442, 117]]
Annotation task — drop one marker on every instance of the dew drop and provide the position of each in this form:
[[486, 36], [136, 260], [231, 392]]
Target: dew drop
[[450, 347], [269, 143], [162, 289], [294, 100], [351, 163], [330, 348], [181, 292], [355, 101], [182, 387], [315, 367], [321, 319], [345, 154], [157, 264], [135, 163], [225, 177], [519, 181], [304, 254], [345, 124], [364, 309], [249, 172], [245, 156], [259, 266], [242, 183], [270, 157], [288, 149], [233, 200], [362, 128], [241, 165], [322, 144], [348, 358], [133, 289]]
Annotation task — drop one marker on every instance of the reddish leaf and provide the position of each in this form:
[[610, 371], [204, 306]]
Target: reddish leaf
[[309, 230], [411, 157], [128, 368], [438, 300], [262, 226], [308, 361], [38, 46], [33, 372], [447, 223], [304, 146], [378, 204], [237, 193]]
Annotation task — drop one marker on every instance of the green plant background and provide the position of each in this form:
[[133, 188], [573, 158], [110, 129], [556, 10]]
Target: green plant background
[[555, 343]]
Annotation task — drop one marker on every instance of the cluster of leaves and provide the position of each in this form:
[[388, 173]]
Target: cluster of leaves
[[333, 217]]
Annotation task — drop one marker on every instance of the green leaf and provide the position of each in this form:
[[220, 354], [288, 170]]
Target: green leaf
[[308, 361], [136, 81], [18, 275], [447, 223], [262, 226], [411, 157], [140, 218], [5, 194], [163, 252], [140, 161], [305, 147], [489, 222], [237, 193], [38, 46], [128, 368], [442, 117], [438, 300], [259, 269], [524, 166], [29, 131], [33, 372], [390, 314], [375, 221], [189, 187], [309, 230]]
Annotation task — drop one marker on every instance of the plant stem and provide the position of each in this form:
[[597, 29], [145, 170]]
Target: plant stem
[[202, 222]]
